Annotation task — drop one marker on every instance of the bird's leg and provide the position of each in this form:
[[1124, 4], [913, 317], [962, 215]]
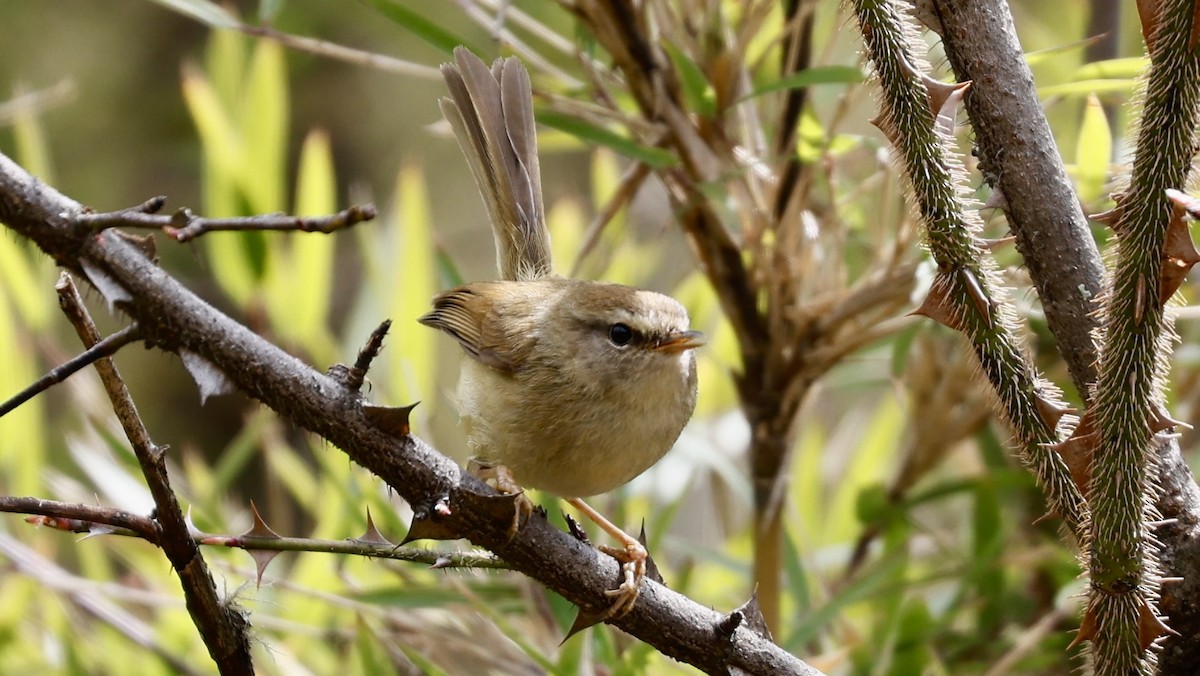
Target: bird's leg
[[499, 477], [632, 556]]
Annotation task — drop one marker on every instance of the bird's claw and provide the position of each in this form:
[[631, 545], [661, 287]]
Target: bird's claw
[[633, 570]]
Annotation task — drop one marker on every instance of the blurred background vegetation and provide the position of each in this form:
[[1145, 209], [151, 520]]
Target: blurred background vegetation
[[910, 538]]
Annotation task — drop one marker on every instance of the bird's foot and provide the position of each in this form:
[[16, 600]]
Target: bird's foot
[[632, 558]]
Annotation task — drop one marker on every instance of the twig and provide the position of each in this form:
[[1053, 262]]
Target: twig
[[358, 373], [358, 57], [81, 518], [627, 188], [36, 101], [78, 517], [105, 348], [222, 626], [184, 226]]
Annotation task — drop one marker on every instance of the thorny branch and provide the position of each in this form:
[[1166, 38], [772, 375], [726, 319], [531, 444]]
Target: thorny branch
[[448, 502], [222, 626]]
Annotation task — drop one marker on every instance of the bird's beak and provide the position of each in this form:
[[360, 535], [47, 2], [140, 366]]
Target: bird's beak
[[679, 342]]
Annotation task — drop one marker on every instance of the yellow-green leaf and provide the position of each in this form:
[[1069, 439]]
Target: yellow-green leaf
[[1093, 151]]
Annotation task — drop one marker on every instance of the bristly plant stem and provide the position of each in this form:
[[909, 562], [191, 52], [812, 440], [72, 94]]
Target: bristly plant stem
[[1120, 619], [964, 296]]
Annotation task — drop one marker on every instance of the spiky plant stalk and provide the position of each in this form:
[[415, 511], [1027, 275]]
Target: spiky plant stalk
[[966, 295], [1121, 620]]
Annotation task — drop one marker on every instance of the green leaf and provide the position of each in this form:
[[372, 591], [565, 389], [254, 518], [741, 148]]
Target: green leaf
[[268, 10], [263, 122], [1085, 87], [1093, 152], [593, 135], [301, 275], [1129, 68], [411, 370], [697, 91], [418, 24], [820, 75], [203, 11]]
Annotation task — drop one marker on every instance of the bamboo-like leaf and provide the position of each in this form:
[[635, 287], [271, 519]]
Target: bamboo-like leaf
[[810, 77], [1127, 68], [1123, 87], [411, 285], [697, 91], [301, 280], [419, 24], [204, 11], [868, 466], [591, 134], [1093, 151], [22, 440], [263, 123]]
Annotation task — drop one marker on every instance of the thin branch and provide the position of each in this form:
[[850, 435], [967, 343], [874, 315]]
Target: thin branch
[[105, 348], [185, 226], [80, 518], [222, 626], [330, 50]]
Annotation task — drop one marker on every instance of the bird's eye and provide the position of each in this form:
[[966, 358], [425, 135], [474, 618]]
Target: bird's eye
[[620, 334]]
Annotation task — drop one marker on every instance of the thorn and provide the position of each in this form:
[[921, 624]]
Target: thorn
[[753, 617], [1078, 450], [441, 562], [191, 525], [1051, 411], [260, 529], [889, 130], [1087, 628], [652, 571], [937, 91], [390, 419], [372, 535], [262, 559], [1179, 253], [1109, 218], [143, 243], [947, 112], [936, 305], [1044, 518], [1161, 421], [996, 200], [1139, 300], [584, 618], [1162, 522], [1151, 627], [982, 303], [428, 524], [1170, 580], [96, 530], [1189, 204], [995, 244]]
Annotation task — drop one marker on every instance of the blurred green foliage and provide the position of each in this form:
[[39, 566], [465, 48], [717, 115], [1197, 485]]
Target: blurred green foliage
[[956, 580]]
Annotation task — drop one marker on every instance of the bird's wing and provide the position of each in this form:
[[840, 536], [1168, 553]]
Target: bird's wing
[[468, 314]]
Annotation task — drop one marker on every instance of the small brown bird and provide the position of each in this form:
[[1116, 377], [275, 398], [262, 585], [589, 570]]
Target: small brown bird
[[574, 387]]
